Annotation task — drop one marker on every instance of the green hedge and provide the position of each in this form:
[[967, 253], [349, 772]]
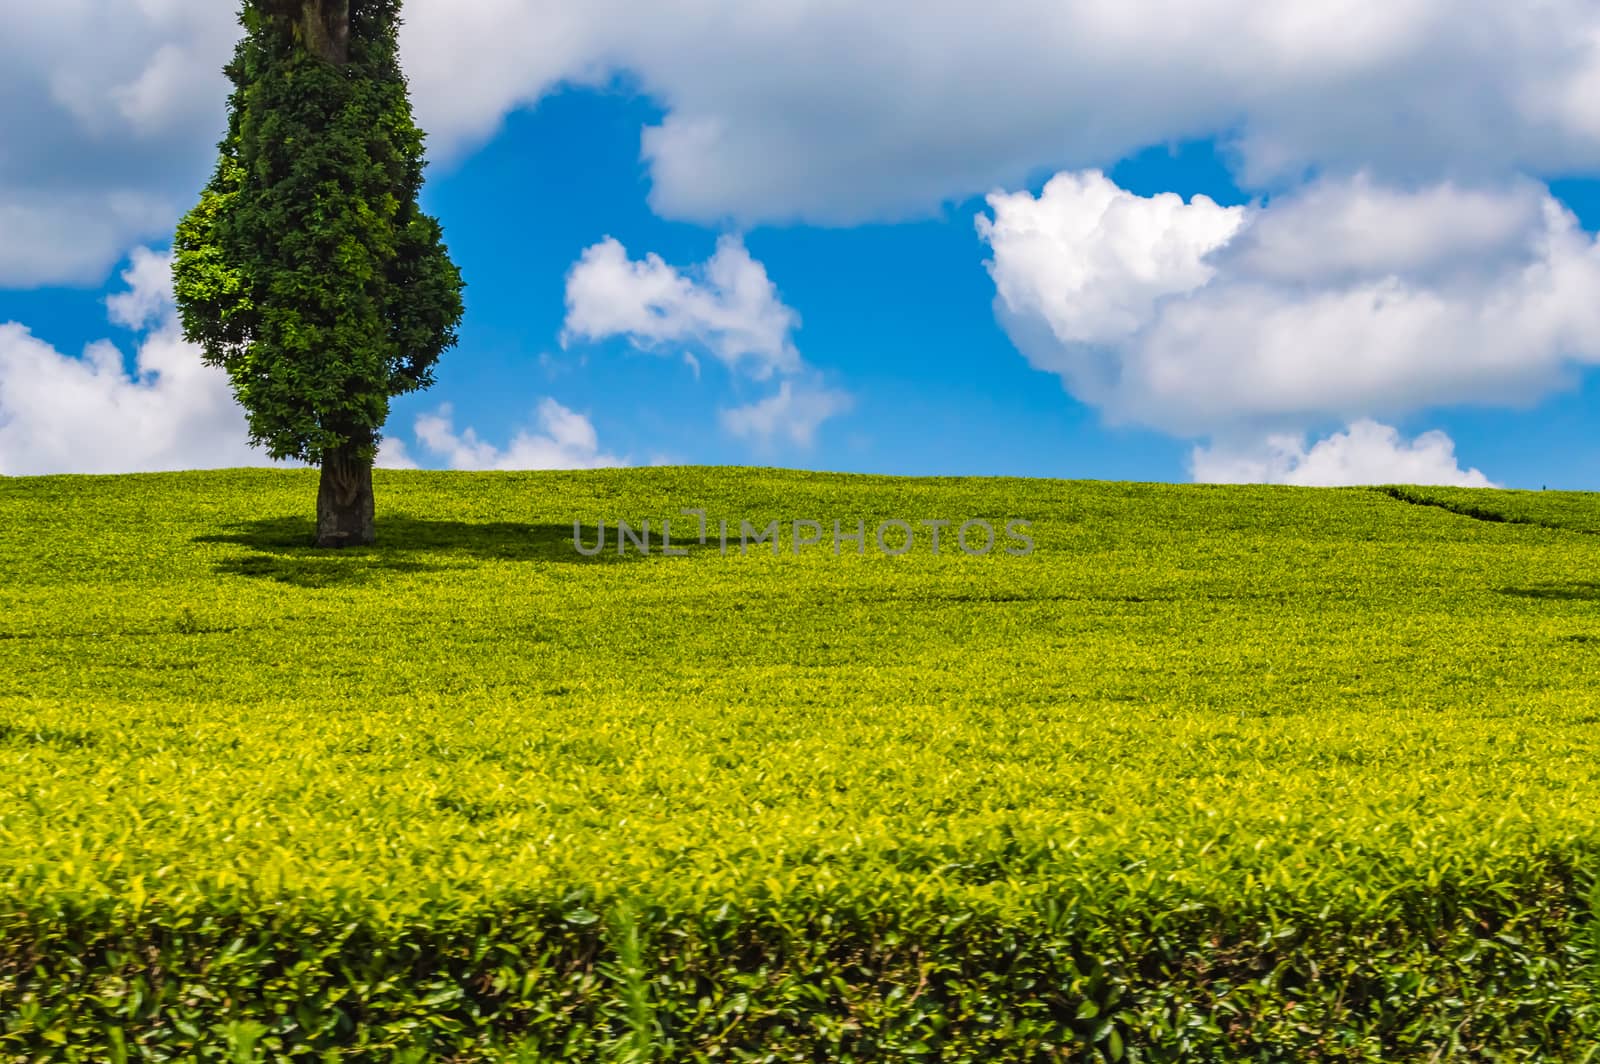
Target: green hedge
[[1216, 774], [1469, 970]]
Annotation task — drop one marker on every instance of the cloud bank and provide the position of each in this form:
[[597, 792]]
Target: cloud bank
[[1347, 299], [818, 111], [824, 112], [1365, 453], [110, 112]]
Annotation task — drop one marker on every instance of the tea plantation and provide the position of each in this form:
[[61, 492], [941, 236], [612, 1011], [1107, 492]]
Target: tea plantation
[[1212, 774]]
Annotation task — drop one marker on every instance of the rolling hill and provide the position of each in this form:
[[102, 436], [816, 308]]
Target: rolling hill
[[1208, 773]]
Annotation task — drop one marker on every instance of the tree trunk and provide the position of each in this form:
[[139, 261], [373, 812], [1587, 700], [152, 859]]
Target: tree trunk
[[344, 501], [327, 29], [323, 26]]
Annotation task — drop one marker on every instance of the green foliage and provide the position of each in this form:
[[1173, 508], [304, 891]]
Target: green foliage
[[1216, 774], [1571, 511], [307, 269]]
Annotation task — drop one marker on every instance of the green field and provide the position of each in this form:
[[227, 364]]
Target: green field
[[1214, 774]]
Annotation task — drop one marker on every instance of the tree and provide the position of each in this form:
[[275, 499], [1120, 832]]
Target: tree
[[307, 270]]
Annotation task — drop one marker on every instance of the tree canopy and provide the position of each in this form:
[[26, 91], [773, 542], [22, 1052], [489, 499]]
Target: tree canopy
[[307, 270]]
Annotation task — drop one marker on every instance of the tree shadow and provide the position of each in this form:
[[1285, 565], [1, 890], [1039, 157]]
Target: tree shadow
[[283, 549], [1581, 591]]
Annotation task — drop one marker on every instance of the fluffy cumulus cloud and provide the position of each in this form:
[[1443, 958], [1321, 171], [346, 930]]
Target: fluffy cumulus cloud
[[1086, 265], [564, 439], [734, 312], [825, 111], [61, 413], [1365, 453], [728, 307], [1347, 299]]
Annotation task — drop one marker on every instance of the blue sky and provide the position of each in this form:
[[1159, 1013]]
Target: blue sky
[[1166, 334]]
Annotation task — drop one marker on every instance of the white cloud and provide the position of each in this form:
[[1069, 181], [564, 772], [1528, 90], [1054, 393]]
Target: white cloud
[[114, 110], [822, 110], [730, 308], [470, 63], [734, 312], [794, 413], [148, 299], [1365, 453], [1343, 231], [564, 440], [393, 454], [63, 236], [1091, 262], [1348, 300], [60, 414], [1183, 316]]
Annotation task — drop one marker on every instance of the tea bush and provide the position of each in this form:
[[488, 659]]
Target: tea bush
[[1213, 774]]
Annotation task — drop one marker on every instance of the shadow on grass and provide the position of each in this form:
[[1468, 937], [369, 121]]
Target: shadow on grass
[[283, 549], [1582, 591], [40, 736]]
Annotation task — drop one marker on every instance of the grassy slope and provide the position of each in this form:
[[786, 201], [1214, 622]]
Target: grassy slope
[[1221, 696]]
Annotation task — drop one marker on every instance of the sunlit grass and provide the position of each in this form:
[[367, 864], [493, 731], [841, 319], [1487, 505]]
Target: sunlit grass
[[1230, 748]]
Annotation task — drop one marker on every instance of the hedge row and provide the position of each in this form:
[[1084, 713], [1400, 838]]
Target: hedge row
[[1451, 971]]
